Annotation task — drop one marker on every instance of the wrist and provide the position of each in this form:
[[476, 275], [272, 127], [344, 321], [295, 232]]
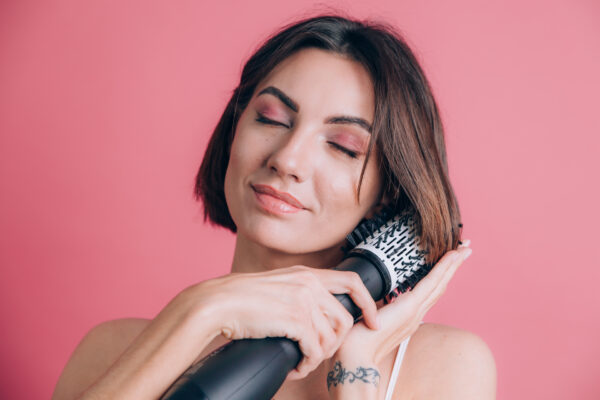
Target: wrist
[[204, 315], [352, 356], [204, 310], [352, 379]]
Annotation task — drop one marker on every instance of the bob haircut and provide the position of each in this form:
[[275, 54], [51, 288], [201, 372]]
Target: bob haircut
[[407, 130]]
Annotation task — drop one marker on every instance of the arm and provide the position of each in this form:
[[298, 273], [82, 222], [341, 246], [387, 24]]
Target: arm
[[132, 359], [442, 362], [95, 353], [301, 308]]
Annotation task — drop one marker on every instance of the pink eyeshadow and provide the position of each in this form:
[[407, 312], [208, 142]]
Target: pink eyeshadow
[[350, 141], [270, 112]]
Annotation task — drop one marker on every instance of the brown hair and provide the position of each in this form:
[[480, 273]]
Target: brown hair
[[407, 128]]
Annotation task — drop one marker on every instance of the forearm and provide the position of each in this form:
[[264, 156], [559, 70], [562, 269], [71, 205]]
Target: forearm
[[157, 357], [350, 380]]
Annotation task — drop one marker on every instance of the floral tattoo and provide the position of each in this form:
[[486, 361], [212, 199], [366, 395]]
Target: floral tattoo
[[338, 375]]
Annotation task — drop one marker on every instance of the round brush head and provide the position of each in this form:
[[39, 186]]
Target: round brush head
[[393, 243]]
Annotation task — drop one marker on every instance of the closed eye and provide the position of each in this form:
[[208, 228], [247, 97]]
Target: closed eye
[[348, 152], [264, 120]]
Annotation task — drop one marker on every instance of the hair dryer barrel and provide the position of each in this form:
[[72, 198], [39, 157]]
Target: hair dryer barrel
[[377, 280], [241, 370]]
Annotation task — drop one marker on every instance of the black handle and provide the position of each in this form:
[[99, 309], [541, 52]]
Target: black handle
[[242, 369]]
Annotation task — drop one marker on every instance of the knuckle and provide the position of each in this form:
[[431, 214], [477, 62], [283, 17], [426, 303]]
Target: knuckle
[[297, 319], [329, 339], [347, 321], [332, 351], [305, 293], [358, 281], [354, 278], [304, 278], [316, 355], [305, 320], [302, 322], [333, 348], [302, 271], [309, 277]]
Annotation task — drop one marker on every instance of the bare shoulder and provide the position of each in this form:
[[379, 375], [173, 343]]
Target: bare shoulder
[[96, 352], [449, 363]]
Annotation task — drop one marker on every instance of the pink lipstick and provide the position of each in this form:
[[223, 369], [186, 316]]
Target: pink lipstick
[[274, 201]]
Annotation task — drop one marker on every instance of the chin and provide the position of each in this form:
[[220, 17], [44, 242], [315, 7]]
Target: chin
[[286, 238], [280, 240]]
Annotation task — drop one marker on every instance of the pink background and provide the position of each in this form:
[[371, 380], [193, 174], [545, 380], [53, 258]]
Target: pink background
[[106, 108]]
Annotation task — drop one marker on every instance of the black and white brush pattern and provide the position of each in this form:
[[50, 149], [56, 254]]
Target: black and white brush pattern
[[394, 240]]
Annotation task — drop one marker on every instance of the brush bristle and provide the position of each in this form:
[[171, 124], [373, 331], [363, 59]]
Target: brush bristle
[[366, 228], [394, 241]]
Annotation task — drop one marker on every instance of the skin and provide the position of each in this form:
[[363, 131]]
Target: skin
[[302, 157], [281, 264]]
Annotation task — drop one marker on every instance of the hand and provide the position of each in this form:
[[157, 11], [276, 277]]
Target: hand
[[294, 302], [400, 318]]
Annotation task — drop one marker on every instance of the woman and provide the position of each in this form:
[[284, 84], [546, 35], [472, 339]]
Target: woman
[[333, 119]]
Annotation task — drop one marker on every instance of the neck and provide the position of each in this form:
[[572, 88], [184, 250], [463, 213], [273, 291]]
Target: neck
[[252, 257]]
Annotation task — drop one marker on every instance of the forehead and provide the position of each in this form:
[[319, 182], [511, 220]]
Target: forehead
[[323, 82]]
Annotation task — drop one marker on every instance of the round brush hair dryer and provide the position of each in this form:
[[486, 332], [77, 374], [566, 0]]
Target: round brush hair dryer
[[383, 250]]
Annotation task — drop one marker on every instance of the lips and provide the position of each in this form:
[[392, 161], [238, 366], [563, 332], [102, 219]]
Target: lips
[[283, 196]]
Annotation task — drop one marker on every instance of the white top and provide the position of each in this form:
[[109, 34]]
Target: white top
[[396, 368]]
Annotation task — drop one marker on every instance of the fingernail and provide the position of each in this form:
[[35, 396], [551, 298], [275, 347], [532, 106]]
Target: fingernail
[[466, 242]]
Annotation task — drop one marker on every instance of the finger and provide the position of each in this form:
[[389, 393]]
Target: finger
[[339, 318], [302, 327], [308, 341], [440, 287], [334, 281], [328, 337], [463, 253], [350, 283], [404, 315], [413, 305], [427, 285], [317, 327]]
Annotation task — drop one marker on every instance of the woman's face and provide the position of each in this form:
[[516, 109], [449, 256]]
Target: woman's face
[[299, 146]]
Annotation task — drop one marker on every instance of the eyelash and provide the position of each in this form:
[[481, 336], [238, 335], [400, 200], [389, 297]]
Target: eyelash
[[350, 153], [262, 119]]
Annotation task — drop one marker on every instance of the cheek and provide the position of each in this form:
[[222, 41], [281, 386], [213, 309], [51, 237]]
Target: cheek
[[246, 152], [338, 191], [236, 166]]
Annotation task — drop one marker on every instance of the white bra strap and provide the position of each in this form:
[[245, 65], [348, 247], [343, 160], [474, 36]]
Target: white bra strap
[[397, 363]]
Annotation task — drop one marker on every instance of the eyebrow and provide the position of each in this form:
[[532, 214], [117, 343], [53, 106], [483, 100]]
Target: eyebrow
[[336, 119]]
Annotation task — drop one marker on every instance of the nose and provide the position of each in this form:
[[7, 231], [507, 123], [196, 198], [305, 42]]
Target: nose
[[294, 156]]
